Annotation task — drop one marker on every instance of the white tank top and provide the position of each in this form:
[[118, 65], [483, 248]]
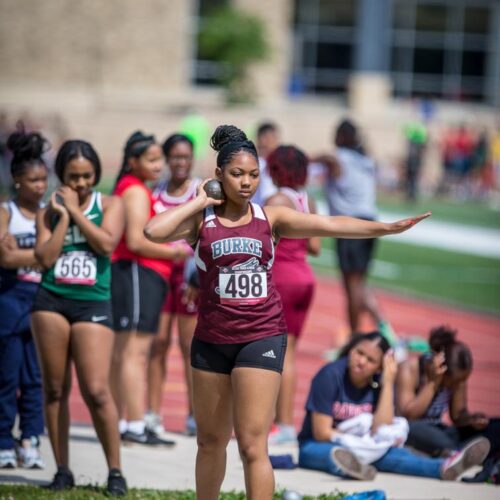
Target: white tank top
[[24, 230]]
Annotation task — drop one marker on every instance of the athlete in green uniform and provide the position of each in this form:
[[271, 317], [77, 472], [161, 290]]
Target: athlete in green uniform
[[72, 317]]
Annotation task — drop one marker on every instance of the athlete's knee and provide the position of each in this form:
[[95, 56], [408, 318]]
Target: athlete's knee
[[97, 395], [55, 393], [160, 346], [251, 447], [211, 441]]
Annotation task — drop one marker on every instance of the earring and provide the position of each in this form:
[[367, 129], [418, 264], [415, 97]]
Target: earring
[[374, 384], [17, 185]]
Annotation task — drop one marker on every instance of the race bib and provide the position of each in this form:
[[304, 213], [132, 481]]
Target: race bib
[[76, 268], [242, 287], [30, 274]]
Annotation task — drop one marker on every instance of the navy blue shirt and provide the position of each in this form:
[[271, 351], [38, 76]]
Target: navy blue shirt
[[332, 393]]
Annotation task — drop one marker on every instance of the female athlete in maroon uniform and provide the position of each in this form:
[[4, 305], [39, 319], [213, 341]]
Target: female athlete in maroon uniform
[[240, 340], [292, 275]]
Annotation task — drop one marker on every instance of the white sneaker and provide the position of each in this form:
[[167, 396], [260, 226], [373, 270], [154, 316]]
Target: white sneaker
[[29, 456], [474, 453], [349, 464], [7, 459], [154, 423], [282, 434]]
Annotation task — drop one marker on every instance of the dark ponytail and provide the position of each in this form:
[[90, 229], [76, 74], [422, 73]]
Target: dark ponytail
[[359, 337], [137, 144], [457, 355], [229, 140], [27, 150]]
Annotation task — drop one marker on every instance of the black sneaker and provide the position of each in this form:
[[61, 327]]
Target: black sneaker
[[147, 438], [63, 480], [117, 486]]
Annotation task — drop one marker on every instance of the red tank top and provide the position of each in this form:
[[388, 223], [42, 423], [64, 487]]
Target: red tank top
[[163, 201], [238, 300], [290, 265], [162, 266]]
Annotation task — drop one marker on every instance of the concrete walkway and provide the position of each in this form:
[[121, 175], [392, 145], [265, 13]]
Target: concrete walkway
[[173, 469]]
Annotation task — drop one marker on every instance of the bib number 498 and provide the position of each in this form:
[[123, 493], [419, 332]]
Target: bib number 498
[[242, 288]]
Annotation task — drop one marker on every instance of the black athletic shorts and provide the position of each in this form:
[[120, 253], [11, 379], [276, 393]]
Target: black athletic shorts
[[267, 354], [137, 296], [354, 256], [94, 311]]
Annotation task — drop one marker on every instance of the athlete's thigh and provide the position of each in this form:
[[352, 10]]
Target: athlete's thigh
[[91, 349], [212, 401], [255, 392], [52, 334]]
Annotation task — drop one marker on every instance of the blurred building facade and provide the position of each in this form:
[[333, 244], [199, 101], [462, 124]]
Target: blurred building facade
[[109, 65]]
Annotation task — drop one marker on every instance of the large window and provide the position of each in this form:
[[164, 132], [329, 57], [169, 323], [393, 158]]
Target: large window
[[441, 48], [324, 44], [204, 71]]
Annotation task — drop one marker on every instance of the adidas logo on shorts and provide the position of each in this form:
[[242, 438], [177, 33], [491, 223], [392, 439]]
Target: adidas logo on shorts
[[269, 354]]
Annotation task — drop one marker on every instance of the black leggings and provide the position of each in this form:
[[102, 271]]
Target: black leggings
[[438, 439]]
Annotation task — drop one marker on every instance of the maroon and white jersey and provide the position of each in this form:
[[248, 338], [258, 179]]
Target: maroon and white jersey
[[163, 201], [238, 300]]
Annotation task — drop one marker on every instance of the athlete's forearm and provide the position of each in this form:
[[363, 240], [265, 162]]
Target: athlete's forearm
[[175, 223], [48, 252], [417, 406], [384, 414], [98, 238], [20, 257]]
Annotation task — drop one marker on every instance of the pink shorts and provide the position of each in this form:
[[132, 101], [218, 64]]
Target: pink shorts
[[173, 303], [297, 299]]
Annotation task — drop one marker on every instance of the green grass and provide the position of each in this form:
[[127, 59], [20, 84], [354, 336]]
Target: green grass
[[463, 280], [469, 212], [15, 492]]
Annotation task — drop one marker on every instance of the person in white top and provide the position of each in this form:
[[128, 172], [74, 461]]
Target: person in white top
[[268, 139], [20, 378]]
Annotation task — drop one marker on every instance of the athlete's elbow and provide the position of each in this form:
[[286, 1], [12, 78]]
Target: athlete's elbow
[[150, 235]]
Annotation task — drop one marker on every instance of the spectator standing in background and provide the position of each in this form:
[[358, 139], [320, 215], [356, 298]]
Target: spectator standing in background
[[351, 191], [268, 139], [416, 139]]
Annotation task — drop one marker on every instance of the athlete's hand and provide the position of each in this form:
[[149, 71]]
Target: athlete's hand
[[479, 421], [8, 243], [190, 295], [390, 368], [207, 199], [69, 198], [436, 369], [403, 225], [57, 207]]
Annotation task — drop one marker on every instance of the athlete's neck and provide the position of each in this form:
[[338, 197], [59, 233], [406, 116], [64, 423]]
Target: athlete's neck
[[28, 207], [236, 213], [177, 187]]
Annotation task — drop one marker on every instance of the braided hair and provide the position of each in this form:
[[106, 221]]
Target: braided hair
[[229, 140], [137, 144], [287, 166], [27, 150]]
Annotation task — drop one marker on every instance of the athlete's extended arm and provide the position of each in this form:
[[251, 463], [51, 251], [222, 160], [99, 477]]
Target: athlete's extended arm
[[181, 222], [104, 238], [288, 223], [49, 242]]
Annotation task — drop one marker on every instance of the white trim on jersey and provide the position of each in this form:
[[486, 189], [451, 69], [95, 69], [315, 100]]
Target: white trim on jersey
[[161, 192], [197, 257], [298, 198], [209, 214], [258, 212]]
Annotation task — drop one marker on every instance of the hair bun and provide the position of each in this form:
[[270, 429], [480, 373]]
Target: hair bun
[[26, 146], [442, 337], [225, 134]]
